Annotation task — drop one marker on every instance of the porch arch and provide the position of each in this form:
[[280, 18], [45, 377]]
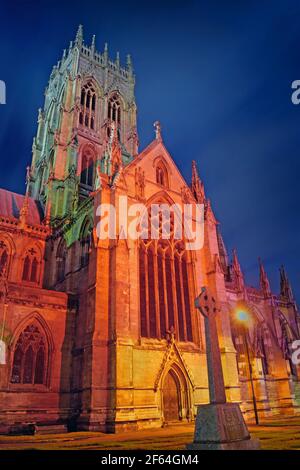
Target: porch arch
[[176, 396]]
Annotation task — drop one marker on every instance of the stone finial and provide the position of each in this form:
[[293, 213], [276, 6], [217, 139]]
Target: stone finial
[[170, 335], [239, 277], [157, 127], [40, 115], [25, 206], [105, 53], [263, 279], [24, 209], [53, 72], [118, 59], [79, 36], [93, 45], [129, 62], [197, 185], [28, 175], [285, 286]]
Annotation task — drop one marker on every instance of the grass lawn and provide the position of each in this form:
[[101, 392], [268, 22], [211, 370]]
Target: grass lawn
[[279, 433]]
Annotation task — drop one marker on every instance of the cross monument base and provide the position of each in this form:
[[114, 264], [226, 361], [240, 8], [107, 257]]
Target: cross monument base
[[221, 426]]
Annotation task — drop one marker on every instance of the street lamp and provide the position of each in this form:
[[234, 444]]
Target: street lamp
[[244, 319]]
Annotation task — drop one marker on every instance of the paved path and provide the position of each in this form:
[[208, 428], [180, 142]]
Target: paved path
[[279, 433]]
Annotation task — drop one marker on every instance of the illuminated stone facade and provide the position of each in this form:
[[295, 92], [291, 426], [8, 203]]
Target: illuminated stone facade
[[102, 334]]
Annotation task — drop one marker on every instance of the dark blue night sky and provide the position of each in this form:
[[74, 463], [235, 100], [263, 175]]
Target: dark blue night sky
[[217, 74]]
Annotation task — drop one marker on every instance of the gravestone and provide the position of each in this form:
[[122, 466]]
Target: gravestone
[[219, 425]]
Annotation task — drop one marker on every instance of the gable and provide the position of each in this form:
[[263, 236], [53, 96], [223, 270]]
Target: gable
[[154, 156]]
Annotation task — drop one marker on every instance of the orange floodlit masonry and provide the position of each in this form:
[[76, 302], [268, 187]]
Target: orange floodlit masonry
[[102, 334]]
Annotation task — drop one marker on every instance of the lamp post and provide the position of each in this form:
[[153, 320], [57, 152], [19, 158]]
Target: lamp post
[[243, 317]]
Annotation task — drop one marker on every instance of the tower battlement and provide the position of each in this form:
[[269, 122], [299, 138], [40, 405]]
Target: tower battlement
[[100, 59]]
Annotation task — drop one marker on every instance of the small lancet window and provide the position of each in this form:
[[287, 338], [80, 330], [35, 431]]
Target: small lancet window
[[161, 175]]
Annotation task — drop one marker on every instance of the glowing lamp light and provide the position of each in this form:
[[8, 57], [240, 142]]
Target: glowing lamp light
[[242, 315]]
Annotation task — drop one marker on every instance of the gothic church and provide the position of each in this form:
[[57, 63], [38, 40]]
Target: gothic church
[[102, 334]]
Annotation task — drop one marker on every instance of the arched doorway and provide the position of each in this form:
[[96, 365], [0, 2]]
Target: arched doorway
[[171, 397]]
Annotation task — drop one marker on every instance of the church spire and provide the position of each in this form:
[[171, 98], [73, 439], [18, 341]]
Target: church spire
[[285, 286], [263, 280], [197, 185]]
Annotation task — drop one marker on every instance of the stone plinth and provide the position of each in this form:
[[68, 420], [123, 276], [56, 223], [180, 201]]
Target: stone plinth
[[221, 427]]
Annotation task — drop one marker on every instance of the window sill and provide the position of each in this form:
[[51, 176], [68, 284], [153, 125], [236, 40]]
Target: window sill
[[28, 387], [30, 283]]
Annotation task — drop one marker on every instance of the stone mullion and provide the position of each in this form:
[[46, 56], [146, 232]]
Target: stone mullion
[[34, 366], [90, 111], [191, 296], [173, 287], [22, 366], [182, 299], [165, 292], [155, 293], [84, 108], [147, 292]]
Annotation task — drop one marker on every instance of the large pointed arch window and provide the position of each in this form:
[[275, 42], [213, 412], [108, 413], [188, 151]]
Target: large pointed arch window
[[164, 268], [88, 100], [30, 357]]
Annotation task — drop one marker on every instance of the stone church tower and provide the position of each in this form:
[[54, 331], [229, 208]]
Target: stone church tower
[[101, 333]]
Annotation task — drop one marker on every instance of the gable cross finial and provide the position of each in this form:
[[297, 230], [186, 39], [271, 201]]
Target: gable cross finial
[[157, 127]]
